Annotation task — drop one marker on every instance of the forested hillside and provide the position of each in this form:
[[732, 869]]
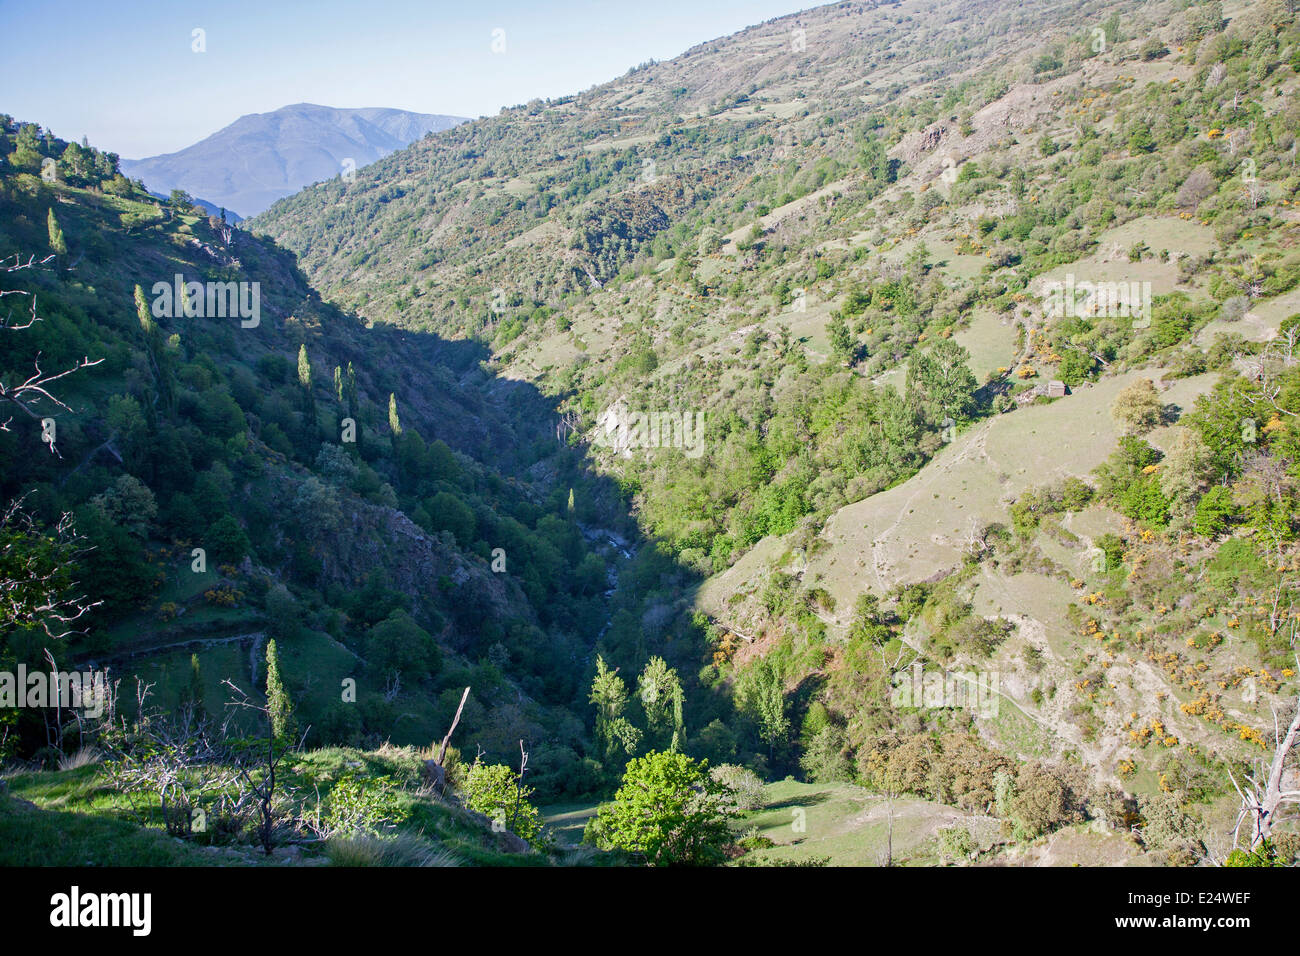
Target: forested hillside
[[369, 559]]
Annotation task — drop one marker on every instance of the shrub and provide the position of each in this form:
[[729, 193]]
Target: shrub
[[356, 805], [744, 788], [496, 791]]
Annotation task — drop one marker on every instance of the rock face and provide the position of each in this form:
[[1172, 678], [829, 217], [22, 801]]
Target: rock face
[[360, 538], [931, 138]]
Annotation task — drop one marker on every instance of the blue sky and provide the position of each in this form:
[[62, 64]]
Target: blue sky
[[125, 75]]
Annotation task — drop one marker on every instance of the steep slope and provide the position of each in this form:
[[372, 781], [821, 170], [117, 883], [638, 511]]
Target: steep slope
[[240, 477], [263, 157], [835, 237]]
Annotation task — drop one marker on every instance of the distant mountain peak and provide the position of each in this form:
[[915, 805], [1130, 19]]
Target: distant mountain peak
[[262, 157]]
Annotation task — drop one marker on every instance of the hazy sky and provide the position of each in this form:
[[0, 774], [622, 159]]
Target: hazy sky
[[125, 74]]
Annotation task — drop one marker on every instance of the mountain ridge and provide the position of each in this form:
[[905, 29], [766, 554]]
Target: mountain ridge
[[261, 157]]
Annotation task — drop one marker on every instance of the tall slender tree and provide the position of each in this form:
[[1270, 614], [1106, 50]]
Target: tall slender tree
[[58, 245], [394, 423], [278, 704]]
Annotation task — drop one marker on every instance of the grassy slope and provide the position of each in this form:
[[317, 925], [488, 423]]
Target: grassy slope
[[73, 818]]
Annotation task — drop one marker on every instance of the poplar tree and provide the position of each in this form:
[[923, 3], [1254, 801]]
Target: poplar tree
[[278, 704], [58, 245], [394, 423]]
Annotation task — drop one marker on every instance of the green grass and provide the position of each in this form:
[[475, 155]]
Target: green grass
[[568, 820], [845, 823], [37, 837], [78, 820]]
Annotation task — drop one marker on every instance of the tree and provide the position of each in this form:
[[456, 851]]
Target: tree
[[284, 615], [181, 201], [942, 381], [615, 734], [1137, 409], [669, 811], [153, 346], [350, 391], [397, 645], [227, 540], [1214, 512], [37, 574], [128, 502], [58, 245], [278, 705], [762, 694], [28, 393], [448, 513], [394, 423], [661, 696], [192, 696], [1186, 470], [1263, 793], [36, 566], [304, 380], [841, 340], [498, 792], [304, 367]]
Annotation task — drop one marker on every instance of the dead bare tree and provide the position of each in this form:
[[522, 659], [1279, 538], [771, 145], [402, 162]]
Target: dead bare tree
[[567, 425], [35, 574], [256, 767], [34, 566], [28, 394], [1263, 795], [177, 761], [519, 784], [437, 766]]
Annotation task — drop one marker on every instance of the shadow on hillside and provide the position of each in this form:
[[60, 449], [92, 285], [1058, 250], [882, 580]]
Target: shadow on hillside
[[445, 390], [449, 390]]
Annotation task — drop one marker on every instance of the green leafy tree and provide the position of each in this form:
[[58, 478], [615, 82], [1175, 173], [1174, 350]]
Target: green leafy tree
[[669, 811], [496, 791], [227, 540], [448, 513], [279, 707], [841, 340], [129, 503], [155, 350], [941, 379], [398, 645], [762, 695], [615, 735], [1214, 512], [1137, 408], [308, 398], [304, 367], [394, 423], [662, 697], [350, 391], [58, 245]]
